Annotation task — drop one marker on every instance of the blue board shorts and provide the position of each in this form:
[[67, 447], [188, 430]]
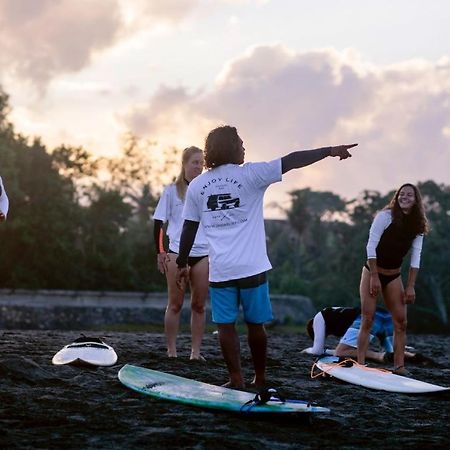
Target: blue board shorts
[[382, 328], [250, 292]]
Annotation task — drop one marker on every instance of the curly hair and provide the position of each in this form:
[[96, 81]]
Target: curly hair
[[415, 222], [222, 147]]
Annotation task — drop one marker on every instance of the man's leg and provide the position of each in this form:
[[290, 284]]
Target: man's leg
[[257, 310], [225, 308], [231, 351], [257, 341]]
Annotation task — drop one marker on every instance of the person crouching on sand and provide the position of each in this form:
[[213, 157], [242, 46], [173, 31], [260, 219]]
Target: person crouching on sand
[[344, 322], [169, 209], [227, 200]]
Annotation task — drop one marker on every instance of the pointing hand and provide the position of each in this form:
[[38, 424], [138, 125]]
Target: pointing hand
[[342, 151]]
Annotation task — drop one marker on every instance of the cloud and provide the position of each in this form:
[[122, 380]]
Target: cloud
[[294, 98], [172, 118], [281, 100], [171, 11], [42, 39]]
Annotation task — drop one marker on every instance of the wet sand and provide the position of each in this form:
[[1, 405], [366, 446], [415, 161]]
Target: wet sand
[[65, 407]]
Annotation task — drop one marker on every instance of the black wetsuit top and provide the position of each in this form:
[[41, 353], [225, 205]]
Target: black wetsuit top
[[338, 320], [394, 244]]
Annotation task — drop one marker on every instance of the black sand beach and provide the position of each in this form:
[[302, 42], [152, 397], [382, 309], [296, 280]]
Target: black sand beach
[[46, 406]]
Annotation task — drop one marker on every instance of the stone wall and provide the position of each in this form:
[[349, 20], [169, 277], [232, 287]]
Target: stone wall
[[84, 310]]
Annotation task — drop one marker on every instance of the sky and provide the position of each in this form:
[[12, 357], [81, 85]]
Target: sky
[[289, 74]]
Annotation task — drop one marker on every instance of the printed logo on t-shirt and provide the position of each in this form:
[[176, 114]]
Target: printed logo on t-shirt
[[222, 201]]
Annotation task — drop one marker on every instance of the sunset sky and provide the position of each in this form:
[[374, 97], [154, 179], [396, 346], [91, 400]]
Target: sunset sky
[[289, 74]]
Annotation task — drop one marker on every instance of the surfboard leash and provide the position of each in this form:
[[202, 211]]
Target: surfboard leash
[[321, 373], [262, 397], [347, 362]]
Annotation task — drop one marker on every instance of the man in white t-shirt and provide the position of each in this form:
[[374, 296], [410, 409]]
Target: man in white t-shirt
[[228, 201], [4, 202]]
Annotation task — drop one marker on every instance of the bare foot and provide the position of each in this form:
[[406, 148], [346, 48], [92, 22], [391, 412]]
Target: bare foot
[[172, 354], [402, 371], [198, 357], [230, 385], [258, 384]]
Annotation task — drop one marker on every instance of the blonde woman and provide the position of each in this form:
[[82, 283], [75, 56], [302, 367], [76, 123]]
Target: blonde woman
[[169, 209]]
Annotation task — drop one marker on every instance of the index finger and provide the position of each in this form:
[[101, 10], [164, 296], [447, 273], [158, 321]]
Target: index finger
[[351, 146]]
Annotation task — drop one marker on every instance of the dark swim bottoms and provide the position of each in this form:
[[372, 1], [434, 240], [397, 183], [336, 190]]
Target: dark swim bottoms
[[192, 260], [384, 279]]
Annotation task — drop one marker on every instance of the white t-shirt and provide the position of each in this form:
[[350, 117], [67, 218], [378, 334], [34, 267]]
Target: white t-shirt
[[4, 202], [228, 201], [170, 209]]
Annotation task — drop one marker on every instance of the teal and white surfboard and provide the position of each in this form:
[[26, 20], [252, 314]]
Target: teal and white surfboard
[[190, 392]]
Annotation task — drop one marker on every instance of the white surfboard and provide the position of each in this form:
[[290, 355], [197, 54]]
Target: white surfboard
[[86, 351], [380, 379]]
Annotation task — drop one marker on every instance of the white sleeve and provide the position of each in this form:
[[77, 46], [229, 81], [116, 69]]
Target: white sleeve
[[319, 335], [4, 201], [416, 251], [191, 209], [263, 174], [162, 210], [380, 223]]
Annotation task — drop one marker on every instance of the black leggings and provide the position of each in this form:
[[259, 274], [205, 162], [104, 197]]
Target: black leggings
[[384, 279]]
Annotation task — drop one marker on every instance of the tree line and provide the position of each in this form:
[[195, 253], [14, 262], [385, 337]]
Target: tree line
[[83, 222], [321, 249]]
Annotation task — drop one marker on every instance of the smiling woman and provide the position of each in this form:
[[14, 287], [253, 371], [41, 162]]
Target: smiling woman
[[394, 231]]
